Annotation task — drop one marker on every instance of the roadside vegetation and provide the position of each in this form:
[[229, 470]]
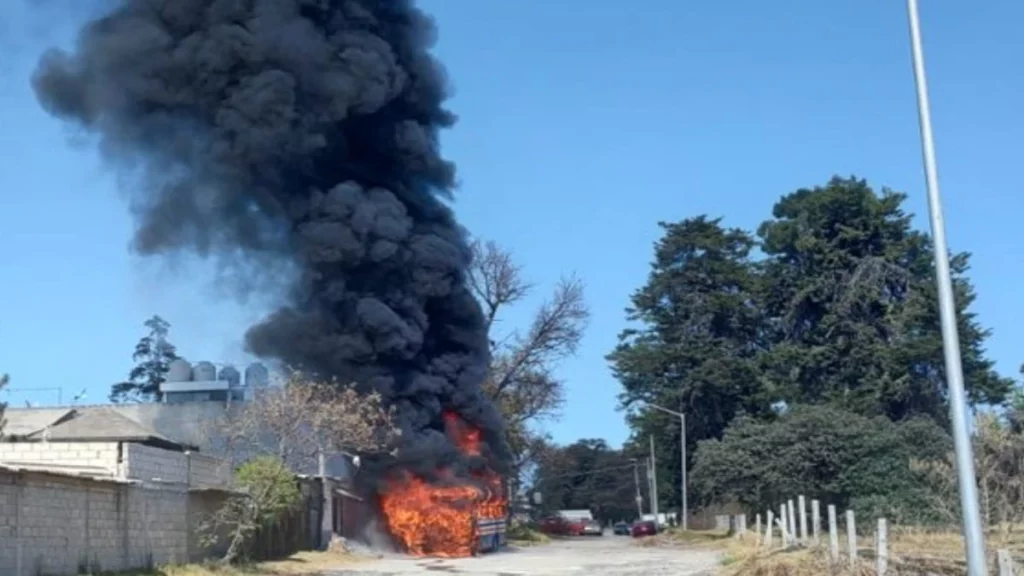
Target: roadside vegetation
[[912, 552], [299, 564], [523, 534]]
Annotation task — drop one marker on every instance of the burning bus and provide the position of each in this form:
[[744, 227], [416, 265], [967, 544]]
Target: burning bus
[[453, 516]]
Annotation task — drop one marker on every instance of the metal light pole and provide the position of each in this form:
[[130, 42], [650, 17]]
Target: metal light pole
[[974, 537], [654, 483], [682, 450]]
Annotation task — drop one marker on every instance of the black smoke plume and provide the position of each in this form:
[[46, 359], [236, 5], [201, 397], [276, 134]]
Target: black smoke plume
[[301, 133]]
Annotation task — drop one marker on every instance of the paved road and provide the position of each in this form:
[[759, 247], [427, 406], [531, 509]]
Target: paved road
[[606, 556]]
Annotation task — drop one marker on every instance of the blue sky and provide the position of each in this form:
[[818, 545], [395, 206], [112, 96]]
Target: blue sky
[[582, 125]]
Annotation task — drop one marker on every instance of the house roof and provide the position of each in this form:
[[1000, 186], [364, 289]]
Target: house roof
[[74, 425], [21, 423]]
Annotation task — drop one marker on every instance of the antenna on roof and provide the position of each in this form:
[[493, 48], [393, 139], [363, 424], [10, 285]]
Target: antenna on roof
[[80, 396]]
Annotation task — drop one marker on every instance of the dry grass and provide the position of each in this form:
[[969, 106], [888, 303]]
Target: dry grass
[[911, 552], [520, 534], [299, 564]]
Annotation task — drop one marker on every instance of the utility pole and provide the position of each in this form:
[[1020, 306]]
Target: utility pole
[[974, 536], [654, 482], [639, 498], [685, 512], [327, 497]]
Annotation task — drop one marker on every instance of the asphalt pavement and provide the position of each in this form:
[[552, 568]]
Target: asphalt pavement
[[595, 555]]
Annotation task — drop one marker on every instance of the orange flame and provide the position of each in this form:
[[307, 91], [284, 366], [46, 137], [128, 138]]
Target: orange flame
[[441, 520]]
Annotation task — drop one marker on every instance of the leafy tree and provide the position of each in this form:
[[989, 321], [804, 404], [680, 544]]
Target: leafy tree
[[823, 452], [850, 298], [269, 491], [841, 310], [522, 378], [587, 475], [696, 344], [153, 356]]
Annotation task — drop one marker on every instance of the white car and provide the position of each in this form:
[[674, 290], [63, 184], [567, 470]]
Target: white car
[[593, 528]]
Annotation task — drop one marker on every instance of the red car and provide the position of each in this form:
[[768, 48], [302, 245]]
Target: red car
[[559, 526], [645, 528]]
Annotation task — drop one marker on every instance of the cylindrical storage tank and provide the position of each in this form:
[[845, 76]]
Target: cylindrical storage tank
[[204, 372], [256, 375], [230, 375], [179, 370]]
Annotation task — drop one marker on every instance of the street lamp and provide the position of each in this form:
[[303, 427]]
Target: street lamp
[[682, 451], [974, 537], [636, 484]]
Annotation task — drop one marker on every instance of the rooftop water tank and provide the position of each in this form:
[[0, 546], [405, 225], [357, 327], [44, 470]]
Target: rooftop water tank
[[256, 375], [204, 372], [179, 370], [230, 375]]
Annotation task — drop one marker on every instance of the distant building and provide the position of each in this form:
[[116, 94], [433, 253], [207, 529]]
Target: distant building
[[190, 423], [203, 383], [576, 515], [102, 442]]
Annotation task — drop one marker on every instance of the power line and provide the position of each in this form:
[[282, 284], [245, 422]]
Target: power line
[[584, 473]]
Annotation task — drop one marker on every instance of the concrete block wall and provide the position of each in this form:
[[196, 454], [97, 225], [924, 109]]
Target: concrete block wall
[[94, 455], [54, 524], [154, 464], [208, 471]]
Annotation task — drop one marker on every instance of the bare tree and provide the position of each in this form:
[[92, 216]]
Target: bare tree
[[280, 432], [522, 377], [999, 466], [301, 418]]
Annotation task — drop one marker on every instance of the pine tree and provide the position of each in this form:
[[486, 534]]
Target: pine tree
[[697, 341], [153, 356]]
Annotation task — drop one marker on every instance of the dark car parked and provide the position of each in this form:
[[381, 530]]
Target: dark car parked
[[621, 529], [645, 528]]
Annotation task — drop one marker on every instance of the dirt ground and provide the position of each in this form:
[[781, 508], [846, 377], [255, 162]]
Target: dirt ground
[[606, 555]]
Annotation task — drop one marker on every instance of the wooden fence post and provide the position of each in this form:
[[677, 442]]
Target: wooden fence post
[[802, 506], [833, 534], [881, 548], [816, 521], [782, 524], [768, 531], [851, 536], [792, 523], [1005, 562]]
